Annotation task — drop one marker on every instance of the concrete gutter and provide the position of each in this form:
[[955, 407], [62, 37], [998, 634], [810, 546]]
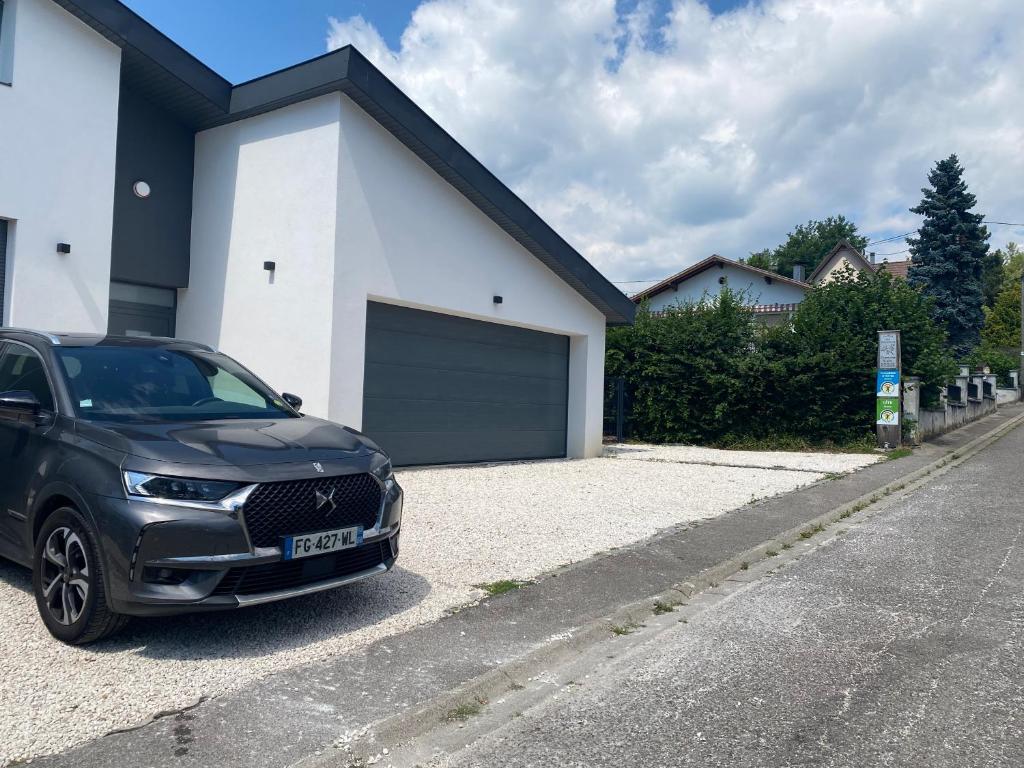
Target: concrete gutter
[[352, 706]]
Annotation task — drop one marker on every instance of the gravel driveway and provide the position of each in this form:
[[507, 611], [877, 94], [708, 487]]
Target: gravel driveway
[[463, 526]]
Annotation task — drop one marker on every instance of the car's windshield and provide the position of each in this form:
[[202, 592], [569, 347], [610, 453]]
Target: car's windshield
[[136, 384]]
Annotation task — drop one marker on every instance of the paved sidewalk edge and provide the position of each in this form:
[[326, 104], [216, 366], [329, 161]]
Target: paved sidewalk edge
[[436, 712]]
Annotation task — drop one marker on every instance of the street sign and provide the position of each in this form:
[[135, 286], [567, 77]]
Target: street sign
[[887, 383], [887, 390], [887, 411], [888, 349]]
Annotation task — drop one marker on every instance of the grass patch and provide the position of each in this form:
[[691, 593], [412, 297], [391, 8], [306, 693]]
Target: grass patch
[[787, 546], [866, 444], [744, 565], [466, 710], [502, 586], [771, 553], [661, 608], [624, 629], [813, 531], [899, 453]]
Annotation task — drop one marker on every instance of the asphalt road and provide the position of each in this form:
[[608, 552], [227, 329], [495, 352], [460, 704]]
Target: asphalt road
[[900, 643]]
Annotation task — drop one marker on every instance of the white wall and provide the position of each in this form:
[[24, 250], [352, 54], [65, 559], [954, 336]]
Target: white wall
[[265, 189], [406, 236], [350, 214], [738, 279], [58, 128]]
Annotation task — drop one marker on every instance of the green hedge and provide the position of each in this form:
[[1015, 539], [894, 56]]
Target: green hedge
[[708, 373]]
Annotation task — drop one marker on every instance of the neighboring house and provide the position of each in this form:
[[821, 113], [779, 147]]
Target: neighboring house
[[772, 297], [314, 223], [900, 269], [706, 278], [843, 257]]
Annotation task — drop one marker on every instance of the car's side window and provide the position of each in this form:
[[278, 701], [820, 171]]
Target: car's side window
[[22, 369]]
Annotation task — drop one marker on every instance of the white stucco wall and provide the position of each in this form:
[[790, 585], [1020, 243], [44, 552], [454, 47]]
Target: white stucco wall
[[706, 283], [265, 189], [58, 125], [406, 236], [350, 215]]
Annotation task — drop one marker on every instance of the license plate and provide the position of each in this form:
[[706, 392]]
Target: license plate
[[321, 543]]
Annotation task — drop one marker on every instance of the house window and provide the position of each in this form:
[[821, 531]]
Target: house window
[[6, 41], [3, 265]]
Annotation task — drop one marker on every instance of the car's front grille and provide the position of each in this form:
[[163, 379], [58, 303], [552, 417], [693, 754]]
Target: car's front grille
[[291, 507], [288, 574]]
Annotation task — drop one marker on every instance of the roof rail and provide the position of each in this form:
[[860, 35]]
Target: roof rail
[[52, 338]]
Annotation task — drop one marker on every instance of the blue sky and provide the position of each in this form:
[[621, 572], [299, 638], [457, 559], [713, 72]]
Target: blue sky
[[243, 39]]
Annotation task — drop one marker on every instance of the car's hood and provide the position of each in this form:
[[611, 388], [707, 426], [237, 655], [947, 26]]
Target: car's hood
[[232, 442]]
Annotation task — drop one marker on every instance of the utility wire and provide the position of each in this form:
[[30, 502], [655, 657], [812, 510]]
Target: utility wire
[[873, 242]]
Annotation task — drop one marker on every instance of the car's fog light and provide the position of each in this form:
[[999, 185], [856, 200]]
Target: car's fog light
[[165, 575]]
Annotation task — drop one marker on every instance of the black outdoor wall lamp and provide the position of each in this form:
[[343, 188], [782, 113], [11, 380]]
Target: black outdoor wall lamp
[[63, 247], [498, 299], [270, 266]]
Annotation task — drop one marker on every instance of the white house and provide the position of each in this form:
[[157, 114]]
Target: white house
[[706, 279], [771, 296], [314, 223]]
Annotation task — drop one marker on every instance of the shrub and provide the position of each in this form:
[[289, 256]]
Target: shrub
[[706, 372]]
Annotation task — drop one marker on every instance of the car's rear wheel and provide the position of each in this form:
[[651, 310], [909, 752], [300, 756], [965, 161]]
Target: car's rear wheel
[[67, 579]]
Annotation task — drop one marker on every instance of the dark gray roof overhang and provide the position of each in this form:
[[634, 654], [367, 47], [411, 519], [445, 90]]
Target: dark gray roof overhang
[[158, 68]]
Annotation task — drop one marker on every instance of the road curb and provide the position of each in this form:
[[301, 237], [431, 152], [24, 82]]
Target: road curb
[[513, 675]]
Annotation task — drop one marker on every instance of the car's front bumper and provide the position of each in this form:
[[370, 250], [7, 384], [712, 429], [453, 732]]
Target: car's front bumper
[[218, 568]]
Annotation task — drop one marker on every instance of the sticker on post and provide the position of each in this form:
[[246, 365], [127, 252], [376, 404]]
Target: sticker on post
[[887, 383], [888, 411]]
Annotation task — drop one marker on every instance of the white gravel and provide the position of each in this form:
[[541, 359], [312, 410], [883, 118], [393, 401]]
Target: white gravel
[[691, 454], [463, 526]]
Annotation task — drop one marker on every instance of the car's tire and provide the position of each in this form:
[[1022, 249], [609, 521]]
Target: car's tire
[[67, 579]]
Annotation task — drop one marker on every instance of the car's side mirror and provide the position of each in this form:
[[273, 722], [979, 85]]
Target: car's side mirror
[[293, 400], [18, 403]]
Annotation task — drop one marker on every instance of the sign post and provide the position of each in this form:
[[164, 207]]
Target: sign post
[[888, 391]]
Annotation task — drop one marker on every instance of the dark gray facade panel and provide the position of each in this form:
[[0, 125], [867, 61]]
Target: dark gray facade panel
[[440, 389], [151, 236], [3, 267]]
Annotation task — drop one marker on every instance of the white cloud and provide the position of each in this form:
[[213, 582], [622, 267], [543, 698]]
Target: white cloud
[[651, 147]]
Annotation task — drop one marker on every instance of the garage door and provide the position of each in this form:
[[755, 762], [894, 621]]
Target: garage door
[[440, 389]]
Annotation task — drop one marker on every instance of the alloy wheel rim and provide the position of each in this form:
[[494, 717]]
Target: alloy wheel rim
[[65, 575]]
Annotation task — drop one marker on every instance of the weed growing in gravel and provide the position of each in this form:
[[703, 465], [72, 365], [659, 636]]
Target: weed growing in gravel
[[466, 710], [502, 586], [744, 565], [771, 553], [660, 608], [624, 629], [787, 546], [833, 475], [813, 531], [899, 453]]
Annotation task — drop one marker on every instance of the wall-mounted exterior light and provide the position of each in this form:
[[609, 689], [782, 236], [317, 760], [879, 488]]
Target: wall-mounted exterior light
[[498, 299], [63, 247], [270, 266], [141, 189]]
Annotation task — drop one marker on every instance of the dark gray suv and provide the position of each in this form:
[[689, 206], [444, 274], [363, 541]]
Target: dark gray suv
[[143, 476]]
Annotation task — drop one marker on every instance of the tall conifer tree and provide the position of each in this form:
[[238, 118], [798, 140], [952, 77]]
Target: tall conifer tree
[[949, 254]]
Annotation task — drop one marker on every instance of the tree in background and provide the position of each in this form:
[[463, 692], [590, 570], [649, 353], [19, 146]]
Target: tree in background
[[808, 244], [1013, 262], [948, 254], [992, 276]]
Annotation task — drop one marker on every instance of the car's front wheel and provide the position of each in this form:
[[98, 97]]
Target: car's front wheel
[[67, 578]]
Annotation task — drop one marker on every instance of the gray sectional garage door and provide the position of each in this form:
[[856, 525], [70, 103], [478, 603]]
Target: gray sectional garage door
[[442, 389]]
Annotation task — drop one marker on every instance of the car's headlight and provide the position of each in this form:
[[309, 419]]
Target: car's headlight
[[383, 471], [177, 488]]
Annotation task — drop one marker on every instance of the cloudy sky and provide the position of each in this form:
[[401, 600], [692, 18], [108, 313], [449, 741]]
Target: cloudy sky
[[653, 133]]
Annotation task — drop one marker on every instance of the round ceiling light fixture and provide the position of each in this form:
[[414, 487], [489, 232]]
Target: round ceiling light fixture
[[141, 189]]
